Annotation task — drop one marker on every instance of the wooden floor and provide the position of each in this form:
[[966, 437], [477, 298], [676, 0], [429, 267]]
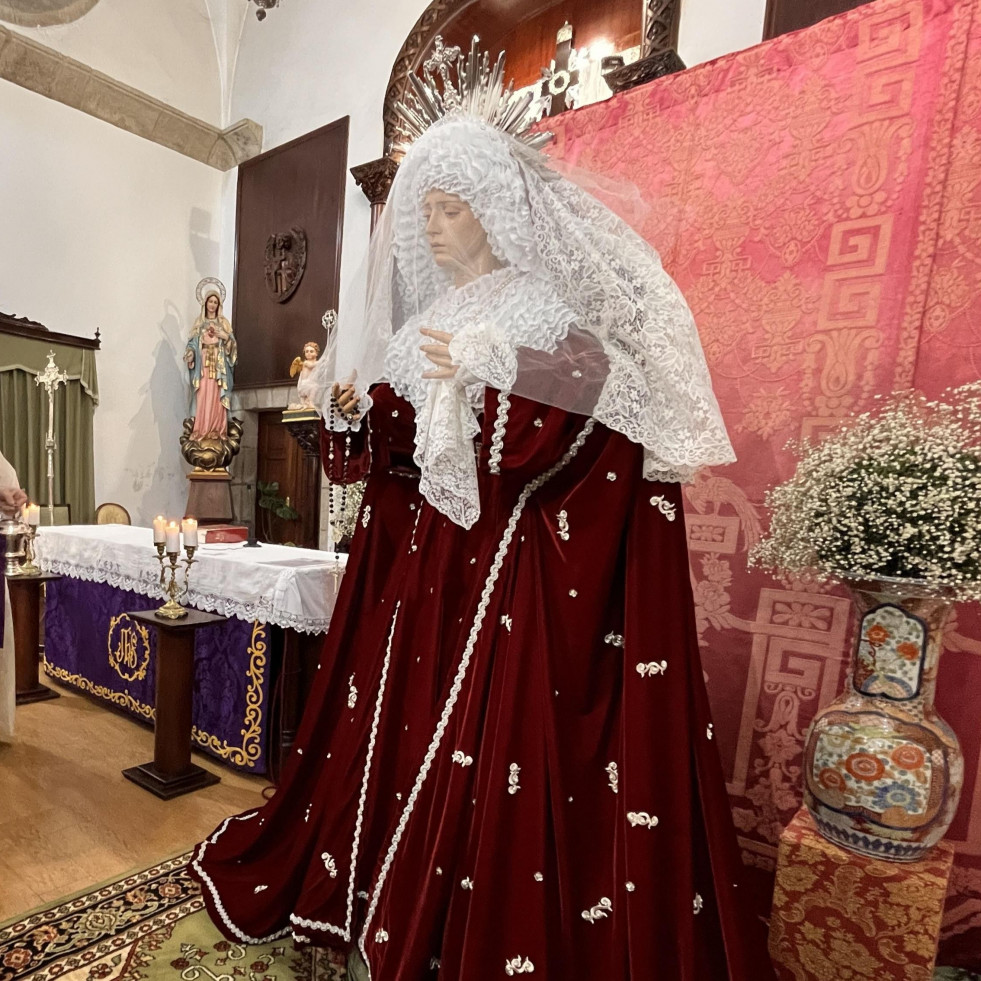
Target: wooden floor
[[69, 819]]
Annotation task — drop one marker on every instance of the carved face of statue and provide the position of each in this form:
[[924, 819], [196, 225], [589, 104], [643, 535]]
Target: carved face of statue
[[211, 306], [456, 237], [311, 352]]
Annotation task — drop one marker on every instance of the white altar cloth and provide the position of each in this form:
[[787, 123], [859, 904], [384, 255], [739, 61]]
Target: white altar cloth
[[278, 584]]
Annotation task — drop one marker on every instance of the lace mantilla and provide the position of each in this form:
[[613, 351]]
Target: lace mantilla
[[582, 316]]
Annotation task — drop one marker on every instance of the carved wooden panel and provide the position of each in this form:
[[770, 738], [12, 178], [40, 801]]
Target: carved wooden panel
[[784, 16], [298, 186]]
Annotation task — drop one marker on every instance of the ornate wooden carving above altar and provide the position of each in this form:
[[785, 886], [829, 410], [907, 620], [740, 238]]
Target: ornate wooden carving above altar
[[534, 39], [526, 32]]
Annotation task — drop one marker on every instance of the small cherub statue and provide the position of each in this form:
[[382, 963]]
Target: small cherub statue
[[304, 366]]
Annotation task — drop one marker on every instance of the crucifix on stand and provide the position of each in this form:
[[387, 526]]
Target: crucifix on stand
[[560, 80], [51, 378]]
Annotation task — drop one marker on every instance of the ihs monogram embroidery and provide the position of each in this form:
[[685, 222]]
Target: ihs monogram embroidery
[[641, 819], [329, 864], [518, 965], [652, 668], [513, 777], [598, 912], [563, 517], [611, 772], [665, 507], [460, 757]]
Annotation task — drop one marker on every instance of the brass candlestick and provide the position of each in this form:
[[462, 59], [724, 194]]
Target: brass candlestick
[[172, 610], [30, 567]]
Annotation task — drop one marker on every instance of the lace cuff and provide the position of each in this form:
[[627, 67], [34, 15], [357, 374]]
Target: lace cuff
[[337, 422], [486, 353]]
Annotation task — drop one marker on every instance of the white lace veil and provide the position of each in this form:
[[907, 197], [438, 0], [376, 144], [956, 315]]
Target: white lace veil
[[582, 316]]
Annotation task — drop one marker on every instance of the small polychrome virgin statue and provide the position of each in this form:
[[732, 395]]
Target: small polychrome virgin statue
[[209, 441]]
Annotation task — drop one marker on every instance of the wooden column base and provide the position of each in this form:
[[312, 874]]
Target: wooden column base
[[39, 694], [25, 609], [171, 773], [165, 786]]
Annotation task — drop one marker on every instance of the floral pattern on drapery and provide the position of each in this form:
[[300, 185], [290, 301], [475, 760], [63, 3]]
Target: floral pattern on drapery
[[817, 200]]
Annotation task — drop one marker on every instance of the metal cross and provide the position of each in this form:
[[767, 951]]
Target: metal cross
[[439, 62], [559, 78], [51, 378]]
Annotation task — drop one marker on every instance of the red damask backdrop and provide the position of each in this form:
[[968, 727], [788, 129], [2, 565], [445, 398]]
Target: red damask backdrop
[[818, 199]]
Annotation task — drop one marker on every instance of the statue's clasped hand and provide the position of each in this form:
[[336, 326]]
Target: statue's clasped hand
[[439, 353], [347, 400]]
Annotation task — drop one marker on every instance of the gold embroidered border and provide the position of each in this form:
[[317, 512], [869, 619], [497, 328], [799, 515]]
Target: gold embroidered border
[[244, 755]]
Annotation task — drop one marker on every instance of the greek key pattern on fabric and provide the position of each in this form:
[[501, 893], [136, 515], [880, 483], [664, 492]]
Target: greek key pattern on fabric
[[500, 426], [457, 686]]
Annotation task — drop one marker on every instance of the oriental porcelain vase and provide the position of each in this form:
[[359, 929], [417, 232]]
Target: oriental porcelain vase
[[882, 771]]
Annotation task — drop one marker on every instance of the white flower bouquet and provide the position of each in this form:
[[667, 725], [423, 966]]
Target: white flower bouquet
[[895, 493]]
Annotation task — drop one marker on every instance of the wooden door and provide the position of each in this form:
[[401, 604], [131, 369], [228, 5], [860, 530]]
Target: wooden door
[[282, 460]]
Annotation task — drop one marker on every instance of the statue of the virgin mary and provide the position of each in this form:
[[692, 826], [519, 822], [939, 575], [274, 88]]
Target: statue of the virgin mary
[[209, 440]]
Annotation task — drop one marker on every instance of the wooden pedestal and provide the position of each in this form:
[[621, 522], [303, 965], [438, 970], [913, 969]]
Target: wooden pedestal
[[25, 610], [209, 495], [171, 773], [837, 914]]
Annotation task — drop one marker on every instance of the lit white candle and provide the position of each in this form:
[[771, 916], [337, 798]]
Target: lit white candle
[[33, 515], [173, 537], [189, 527], [159, 529]]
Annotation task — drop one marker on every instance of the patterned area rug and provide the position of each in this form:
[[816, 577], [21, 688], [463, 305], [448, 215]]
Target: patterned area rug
[[150, 926]]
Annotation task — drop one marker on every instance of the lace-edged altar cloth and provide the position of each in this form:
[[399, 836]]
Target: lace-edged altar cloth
[[275, 584]]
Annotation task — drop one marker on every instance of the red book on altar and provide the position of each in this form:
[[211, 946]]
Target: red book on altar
[[224, 534]]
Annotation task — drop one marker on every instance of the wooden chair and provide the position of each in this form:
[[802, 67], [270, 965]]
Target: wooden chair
[[112, 514]]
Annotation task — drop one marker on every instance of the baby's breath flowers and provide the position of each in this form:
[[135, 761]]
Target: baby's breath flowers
[[896, 492]]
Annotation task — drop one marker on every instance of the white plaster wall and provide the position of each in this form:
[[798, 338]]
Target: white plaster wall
[[104, 229], [166, 48], [711, 28]]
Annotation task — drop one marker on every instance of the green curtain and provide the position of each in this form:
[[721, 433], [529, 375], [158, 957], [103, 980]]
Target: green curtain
[[24, 421]]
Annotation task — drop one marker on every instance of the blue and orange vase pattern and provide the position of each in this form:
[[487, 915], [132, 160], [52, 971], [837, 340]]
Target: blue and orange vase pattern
[[882, 771]]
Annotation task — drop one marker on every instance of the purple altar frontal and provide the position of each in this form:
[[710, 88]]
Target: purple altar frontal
[[93, 646]]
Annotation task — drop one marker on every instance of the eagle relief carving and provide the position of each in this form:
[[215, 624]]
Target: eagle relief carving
[[286, 258]]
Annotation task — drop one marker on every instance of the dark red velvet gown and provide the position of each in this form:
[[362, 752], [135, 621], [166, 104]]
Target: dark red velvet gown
[[506, 765]]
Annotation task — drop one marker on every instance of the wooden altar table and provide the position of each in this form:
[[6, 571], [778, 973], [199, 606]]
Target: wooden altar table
[[278, 601]]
